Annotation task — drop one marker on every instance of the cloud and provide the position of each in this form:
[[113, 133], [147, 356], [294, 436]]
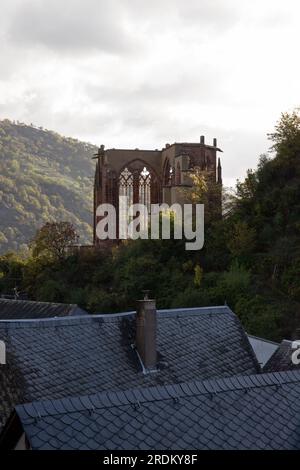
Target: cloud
[[140, 73], [111, 26], [178, 88], [215, 14], [71, 26], [167, 14]]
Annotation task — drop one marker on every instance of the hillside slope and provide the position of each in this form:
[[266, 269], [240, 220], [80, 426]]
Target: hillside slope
[[43, 176]]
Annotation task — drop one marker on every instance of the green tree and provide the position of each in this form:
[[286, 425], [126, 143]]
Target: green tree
[[205, 190], [286, 137], [242, 240], [54, 239]]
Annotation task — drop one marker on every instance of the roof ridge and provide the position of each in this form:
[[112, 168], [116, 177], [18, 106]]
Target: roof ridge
[[72, 320], [57, 321], [136, 396], [37, 302], [197, 310]]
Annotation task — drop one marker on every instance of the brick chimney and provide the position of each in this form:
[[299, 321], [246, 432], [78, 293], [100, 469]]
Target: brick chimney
[[146, 332]]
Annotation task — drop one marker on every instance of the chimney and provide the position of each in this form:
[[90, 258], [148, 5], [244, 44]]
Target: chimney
[[215, 142], [202, 139], [146, 332]]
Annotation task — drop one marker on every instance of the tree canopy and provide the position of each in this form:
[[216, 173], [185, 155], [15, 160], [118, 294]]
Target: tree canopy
[[54, 239]]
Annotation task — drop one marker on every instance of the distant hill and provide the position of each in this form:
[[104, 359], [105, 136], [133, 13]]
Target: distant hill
[[43, 176]]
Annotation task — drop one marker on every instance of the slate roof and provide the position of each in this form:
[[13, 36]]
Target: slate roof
[[282, 358], [26, 309], [246, 412], [61, 357]]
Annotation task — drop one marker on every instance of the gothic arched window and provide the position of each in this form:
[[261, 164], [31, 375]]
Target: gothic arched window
[[139, 183], [145, 188], [126, 185]]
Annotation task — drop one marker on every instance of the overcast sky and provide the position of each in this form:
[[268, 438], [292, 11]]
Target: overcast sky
[[141, 73]]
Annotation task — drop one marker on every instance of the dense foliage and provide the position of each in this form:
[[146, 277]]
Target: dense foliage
[[54, 240], [43, 177], [251, 258]]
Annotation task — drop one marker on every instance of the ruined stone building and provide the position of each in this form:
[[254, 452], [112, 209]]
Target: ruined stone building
[[151, 176]]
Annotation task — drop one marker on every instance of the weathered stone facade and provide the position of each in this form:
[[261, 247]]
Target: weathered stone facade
[[151, 176]]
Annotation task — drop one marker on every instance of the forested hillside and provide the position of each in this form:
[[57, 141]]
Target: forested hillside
[[43, 177]]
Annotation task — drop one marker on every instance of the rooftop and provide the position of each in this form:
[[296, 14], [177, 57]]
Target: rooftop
[[26, 309], [59, 357], [243, 412]]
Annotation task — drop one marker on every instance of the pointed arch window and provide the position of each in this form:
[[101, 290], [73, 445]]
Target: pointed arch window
[[126, 185], [139, 183], [145, 188]]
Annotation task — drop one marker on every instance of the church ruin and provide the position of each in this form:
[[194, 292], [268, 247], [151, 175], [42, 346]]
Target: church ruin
[[151, 176]]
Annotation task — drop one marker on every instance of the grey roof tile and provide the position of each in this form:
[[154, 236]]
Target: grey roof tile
[[27, 309], [75, 356], [232, 420]]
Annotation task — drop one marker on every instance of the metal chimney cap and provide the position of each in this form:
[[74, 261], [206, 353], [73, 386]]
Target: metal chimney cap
[[146, 297], [146, 293]]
